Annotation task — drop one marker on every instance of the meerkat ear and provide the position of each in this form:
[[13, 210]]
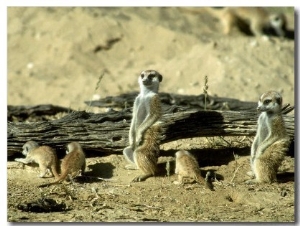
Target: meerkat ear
[[160, 78], [279, 100]]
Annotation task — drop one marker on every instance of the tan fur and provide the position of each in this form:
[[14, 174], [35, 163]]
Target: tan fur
[[188, 167], [145, 129], [257, 18], [271, 141], [72, 164], [45, 156]]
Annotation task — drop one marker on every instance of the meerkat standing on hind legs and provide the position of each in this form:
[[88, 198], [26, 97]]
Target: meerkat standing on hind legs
[[44, 155], [187, 167], [271, 141], [145, 129], [72, 164]]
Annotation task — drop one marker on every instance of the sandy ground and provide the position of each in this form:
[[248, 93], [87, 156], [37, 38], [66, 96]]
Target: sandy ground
[[56, 56]]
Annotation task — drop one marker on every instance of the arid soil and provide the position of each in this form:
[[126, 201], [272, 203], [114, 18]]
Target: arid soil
[[56, 56]]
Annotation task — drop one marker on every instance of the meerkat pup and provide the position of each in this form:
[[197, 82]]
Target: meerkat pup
[[72, 164], [145, 129], [271, 141], [257, 19], [45, 156], [188, 167]]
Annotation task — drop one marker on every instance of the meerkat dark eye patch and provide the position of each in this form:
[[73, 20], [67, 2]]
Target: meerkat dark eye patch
[[267, 101], [142, 75], [160, 77], [151, 76]]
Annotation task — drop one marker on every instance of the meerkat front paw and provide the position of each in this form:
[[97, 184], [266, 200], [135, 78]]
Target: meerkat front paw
[[141, 178], [138, 179], [250, 174], [138, 140], [250, 182], [131, 167]]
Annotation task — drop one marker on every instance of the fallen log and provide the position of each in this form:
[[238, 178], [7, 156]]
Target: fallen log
[[195, 102], [108, 132], [38, 112]]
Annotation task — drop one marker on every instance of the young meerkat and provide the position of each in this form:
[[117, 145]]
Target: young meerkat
[[44, 155], [188, 167], [72, 164], [271, 141], [257, 19], [145, 129]]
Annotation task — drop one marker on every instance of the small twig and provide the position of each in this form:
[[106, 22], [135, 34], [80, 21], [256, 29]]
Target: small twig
[[237, 167], [95, 191], [234, 174], [147, 206], [97, 85], [205, 88], [225, 140], [168, 168], [101, 178]]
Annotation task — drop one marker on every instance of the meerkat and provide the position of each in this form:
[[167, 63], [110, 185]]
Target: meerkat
[[145, 129], [257, 19], [188, 167], [44, 156], [72, 164], [271, 141]]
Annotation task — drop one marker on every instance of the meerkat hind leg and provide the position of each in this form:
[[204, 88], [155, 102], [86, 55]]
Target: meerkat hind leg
[[265, 171], [142, 177], [145, 162]]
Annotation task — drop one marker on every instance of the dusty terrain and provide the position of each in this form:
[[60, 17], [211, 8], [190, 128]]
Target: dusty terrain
[[56, 56]]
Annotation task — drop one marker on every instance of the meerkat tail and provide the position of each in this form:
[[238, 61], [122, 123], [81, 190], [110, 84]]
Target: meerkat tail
[[57, 181]]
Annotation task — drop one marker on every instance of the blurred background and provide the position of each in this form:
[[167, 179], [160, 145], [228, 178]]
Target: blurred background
[[57, 55]]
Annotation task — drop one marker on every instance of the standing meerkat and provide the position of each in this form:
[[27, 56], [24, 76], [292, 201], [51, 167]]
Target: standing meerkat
[[271, 141], [72, 164], [188, 167], [145, 129], [257, 19], [45, 156]]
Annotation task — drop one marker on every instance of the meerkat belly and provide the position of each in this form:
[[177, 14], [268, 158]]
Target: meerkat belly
[[141, 115]]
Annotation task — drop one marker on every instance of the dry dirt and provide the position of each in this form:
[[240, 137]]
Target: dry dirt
[[56, 55]]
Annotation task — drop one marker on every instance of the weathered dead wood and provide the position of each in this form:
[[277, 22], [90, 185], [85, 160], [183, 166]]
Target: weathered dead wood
[[21, 113], [181, 101], [108, 132]]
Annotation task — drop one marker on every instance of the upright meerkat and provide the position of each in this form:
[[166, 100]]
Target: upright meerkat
[[72, 164], [188, 167], [44, 155], [271, 141], [145, 129], [257, 19]]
